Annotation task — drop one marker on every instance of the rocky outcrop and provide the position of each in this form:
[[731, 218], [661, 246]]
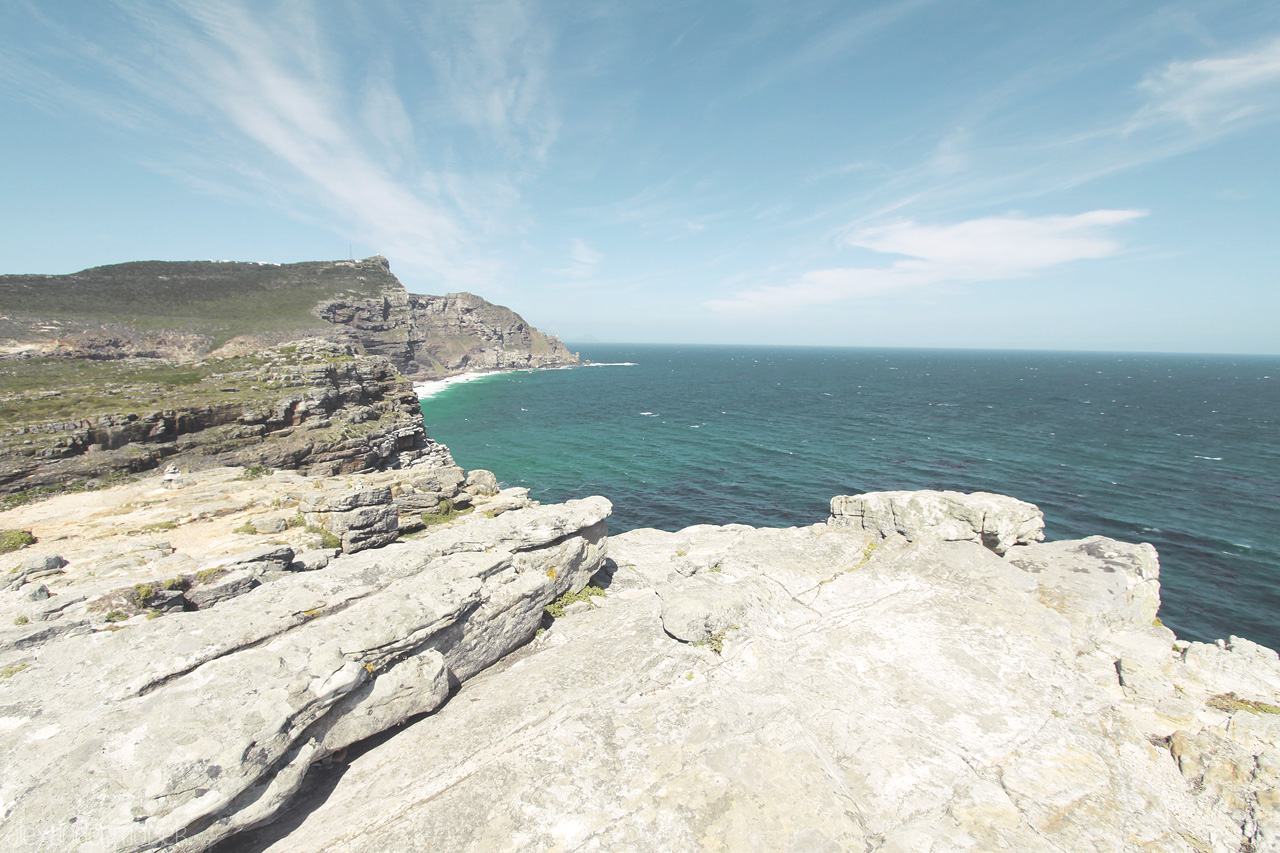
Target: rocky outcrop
[[358, 518], [188, 310], [844, 686], [430, 337], [996, 521]]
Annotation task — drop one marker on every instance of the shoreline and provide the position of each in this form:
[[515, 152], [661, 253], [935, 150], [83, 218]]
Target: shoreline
[[431, 387]]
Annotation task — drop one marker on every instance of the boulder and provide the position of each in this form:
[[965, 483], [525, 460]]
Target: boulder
[[41, 563], [234, 582], [276, 557], [360, 518], [36, 567], [482, 482], [995, 521]]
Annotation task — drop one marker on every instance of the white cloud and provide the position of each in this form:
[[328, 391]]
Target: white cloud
[[1207, 93], [986, 249], [583, 261]]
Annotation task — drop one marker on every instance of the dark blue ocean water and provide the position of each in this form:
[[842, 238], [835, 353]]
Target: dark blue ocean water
[[1179, 451]]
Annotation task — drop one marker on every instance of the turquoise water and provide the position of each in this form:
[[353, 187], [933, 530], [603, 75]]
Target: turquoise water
[[1178, 451]]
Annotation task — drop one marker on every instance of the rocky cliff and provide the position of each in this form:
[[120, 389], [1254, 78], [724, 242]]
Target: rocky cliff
[[192, 309], [919, 672], [312, 405], [115, 370]]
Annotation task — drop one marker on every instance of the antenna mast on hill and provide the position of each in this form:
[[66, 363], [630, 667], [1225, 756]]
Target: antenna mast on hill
[[351, 255]]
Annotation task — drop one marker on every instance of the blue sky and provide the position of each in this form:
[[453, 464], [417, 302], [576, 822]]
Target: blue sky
[[1061, 175]]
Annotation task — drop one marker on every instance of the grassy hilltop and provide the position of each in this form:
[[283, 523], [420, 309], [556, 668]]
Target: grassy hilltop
[[215, 301]]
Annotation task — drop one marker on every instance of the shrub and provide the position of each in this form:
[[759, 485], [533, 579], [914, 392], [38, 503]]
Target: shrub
[[143, 593], [715, 642], [327, 539], [207, 575], [12, 670]]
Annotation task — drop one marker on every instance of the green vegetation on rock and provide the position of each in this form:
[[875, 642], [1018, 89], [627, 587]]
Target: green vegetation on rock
[[12, 670], [556, 608], [14, 540], [1230, 702]]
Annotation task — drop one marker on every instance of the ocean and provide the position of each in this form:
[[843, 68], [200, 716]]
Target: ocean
[[1182, 451]]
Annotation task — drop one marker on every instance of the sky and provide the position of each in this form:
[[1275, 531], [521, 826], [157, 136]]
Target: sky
[[1096, 175]]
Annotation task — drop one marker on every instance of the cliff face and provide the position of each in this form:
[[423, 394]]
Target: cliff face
[[430, 337], [190, 309], [313, 405]]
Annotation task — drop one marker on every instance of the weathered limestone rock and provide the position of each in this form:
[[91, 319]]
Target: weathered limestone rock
[[841, 692], [46, 563], [317, 558], [36, 567], [200, 724], [833, 687], [482, 482], [361, 519], [278, 557], [996, 521], [33, 591], [224, 586], [1099, 584]]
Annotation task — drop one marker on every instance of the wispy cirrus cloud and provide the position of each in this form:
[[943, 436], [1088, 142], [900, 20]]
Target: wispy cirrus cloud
[[583, 262], [256, 100], [1214, 92], [985, 249], [987, 154], [490, 61]]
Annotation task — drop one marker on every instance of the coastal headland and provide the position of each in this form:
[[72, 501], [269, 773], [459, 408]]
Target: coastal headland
[[121, 369], [385, 652]]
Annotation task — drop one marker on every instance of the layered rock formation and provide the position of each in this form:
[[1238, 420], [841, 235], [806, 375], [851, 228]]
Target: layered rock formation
[[190, 309], [430, 337], [312, 405], [918, 673]]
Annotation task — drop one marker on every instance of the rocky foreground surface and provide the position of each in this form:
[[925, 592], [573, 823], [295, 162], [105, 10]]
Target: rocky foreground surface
[[918, 673]]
